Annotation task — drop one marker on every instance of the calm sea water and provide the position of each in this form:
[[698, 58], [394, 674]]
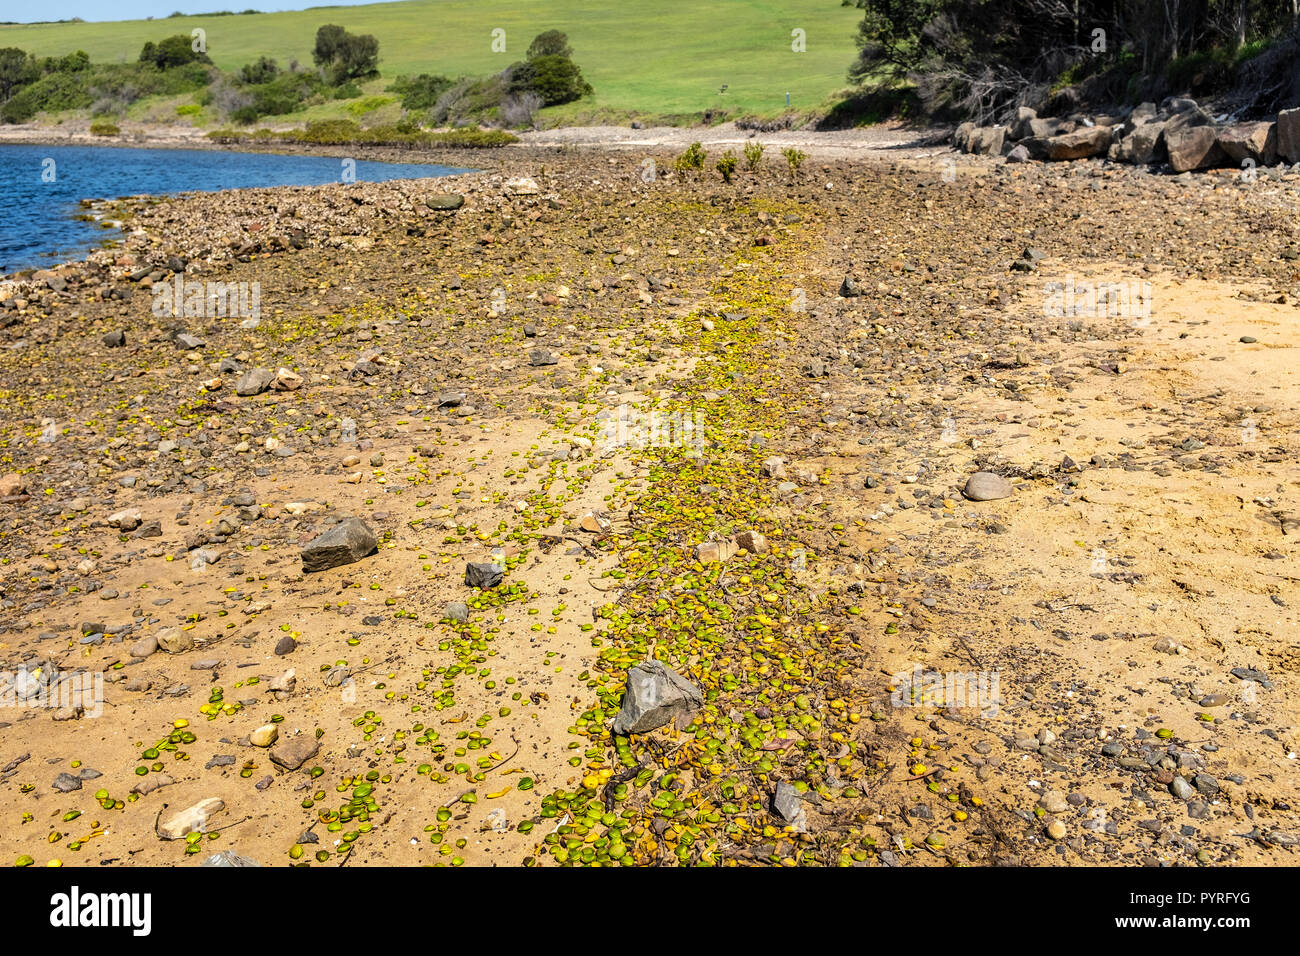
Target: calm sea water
[[41, 187]]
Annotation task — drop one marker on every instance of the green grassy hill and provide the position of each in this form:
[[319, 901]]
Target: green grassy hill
[[665, 58]]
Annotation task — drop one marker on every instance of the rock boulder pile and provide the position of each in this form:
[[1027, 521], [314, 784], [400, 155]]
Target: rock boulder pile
[[1179, 133]]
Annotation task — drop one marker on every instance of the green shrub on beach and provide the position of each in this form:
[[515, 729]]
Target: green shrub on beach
[[691, 158], [103, 128]]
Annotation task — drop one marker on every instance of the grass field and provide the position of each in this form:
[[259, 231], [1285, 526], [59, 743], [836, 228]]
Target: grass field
[[670, 57]]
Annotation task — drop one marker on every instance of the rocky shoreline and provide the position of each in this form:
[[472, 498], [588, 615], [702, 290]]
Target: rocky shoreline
[[944, 576]]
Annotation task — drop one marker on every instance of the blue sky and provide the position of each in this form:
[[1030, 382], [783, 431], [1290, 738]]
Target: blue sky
[[140, 9]]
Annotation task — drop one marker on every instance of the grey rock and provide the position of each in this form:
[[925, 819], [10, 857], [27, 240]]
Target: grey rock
[[539, 357], [144, 647], [482, 574], [285, 645], [1194, 147], [292, 752], [254, 382], [184, 340], [1018, 154], [787, 803], [849, 288], [346, 543], [115, 340], [987, 141], [1181, 789], [1080, 144], [656, 695], [66, 783], [986, 486], [457, 611], [1140, 146], [445, 201], [1255, 143], [1288, 135]]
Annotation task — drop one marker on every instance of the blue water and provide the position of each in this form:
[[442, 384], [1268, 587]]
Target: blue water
[[37, 224]]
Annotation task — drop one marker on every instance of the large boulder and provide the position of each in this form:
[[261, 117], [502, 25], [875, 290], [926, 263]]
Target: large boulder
[[1142, 113], [1194, 147], [1141, 145], [1082, 143], [1187, 119], [987, 141], [961, 136], [1022, 127], [346, 543], [1036, 146], [1288, 135], [1256, 142], [655, 696]]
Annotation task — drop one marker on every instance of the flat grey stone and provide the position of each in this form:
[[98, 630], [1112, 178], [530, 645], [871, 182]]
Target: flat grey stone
[[346, 543]]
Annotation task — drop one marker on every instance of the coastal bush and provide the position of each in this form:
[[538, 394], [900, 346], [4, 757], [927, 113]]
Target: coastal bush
[[262, 70], [369, 104], [285, 94], [794, 159], [753, 155], [104, 128], [176, 50], [556, 79], [57, 91], [691, 158], [17, 69], [330, 132], [420, 92], [727, 166], [519, 109], [470, 97], [549, 43]]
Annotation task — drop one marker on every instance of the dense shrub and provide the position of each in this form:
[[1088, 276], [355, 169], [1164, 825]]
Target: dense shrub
[[176, 50], [556, 79], [420, 92], [17, 69], [263, 70], [57, 91], [691, 158], [550, 43]]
